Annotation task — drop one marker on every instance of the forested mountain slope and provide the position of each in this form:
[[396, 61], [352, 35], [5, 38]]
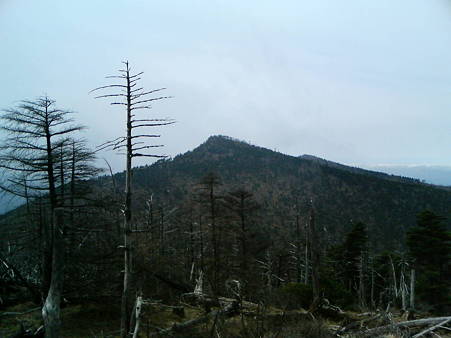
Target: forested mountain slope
[[341, 195]]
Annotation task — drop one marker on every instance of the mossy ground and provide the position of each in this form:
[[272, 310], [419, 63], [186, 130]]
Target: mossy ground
[[87, 320], [102, 321]]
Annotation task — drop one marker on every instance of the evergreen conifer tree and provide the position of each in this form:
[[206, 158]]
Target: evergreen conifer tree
[[430, 247]]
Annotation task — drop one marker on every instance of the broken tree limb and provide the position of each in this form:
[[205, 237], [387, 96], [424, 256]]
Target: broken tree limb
[[411, 323], [32, 289], [432, 328], [229, 310], [356, 324], [4, 314]]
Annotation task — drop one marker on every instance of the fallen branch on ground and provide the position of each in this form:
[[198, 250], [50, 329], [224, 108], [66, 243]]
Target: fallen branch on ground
[[432, 328], [229, 310], [4, 314], [356, 324], [411, 323]]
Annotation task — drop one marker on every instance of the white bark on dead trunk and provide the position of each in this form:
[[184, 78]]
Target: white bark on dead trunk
[[51, 311], [403, 290], [306, 252], [361, 283], [395, 289], [376, 332], [125, 306], [199, 288], [314, 254], [138, 308], [432, 328]]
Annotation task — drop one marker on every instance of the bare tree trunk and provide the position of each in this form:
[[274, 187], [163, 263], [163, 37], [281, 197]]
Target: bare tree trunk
[[46, 250], [48, 240], [269, 270], [298, 249], [412, 289], [192, 258], [135, 98], [161, 232], [403, 290], [125, 306], [214, 239], [244, 268], [315, 254], [51, 309], [138, 308], [361, 283], [201, 249], [72, 185], [395, 288], [373, 305], [306, 254]]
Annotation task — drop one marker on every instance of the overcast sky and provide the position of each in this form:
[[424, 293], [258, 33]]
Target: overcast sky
[[357, 82]]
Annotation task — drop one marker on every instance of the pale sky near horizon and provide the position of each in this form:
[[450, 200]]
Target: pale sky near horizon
[[356, 82]]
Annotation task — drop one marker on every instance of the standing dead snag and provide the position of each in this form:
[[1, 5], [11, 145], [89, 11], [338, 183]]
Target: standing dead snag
[[138, 309], [35, 157], [315, 255], [134, 98], [51, 309]]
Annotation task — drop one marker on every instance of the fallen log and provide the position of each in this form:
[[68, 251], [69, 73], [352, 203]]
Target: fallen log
[[402, 325], [356, 324], [229, 310], [22, 333], [432, 328], [4, 314], [200, 299]]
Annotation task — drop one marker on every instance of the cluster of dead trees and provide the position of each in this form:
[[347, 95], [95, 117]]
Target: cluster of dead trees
[[46, 164], [215, 236]]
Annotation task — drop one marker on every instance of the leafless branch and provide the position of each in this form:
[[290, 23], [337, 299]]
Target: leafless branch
[[110, 95], [149, 155], [148, 147], [109, 86]]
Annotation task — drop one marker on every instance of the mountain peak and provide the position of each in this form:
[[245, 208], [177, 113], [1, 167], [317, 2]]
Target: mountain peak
[[222, 138], [218, 143]]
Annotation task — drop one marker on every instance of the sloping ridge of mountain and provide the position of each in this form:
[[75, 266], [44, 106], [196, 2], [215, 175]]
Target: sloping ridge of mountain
[[361, 171], [278, 181]]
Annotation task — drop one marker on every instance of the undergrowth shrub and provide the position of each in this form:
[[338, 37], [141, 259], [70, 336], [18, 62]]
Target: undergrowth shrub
[[295, 295]]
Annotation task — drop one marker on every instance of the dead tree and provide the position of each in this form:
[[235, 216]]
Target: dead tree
[[242, 204], [211, 201], [315, 255], [393, 271], [37, 135], [412, 289], [133, 97], [51, 309], [306, 253], [298, 246], [437, 322]]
